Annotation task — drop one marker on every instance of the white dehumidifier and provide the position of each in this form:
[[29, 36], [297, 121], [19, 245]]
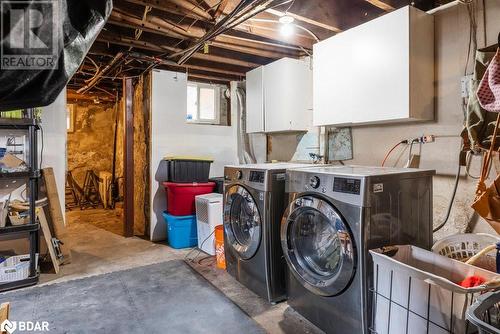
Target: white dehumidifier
[[208, 215]]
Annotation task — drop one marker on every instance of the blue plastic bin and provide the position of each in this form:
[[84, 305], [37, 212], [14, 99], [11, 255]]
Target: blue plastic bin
[[181, 231]]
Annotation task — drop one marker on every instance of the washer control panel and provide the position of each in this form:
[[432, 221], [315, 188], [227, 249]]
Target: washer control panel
[[347, 185], [257, 176]]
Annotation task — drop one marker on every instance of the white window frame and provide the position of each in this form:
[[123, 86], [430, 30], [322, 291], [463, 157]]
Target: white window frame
[[198, 119]]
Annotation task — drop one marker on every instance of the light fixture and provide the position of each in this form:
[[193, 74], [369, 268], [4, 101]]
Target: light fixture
[[287, 27], [286, 19], [287, 30]]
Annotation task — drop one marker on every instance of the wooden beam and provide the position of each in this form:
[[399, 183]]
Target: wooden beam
[[161, 27], [275, 34], [99, 75], [151, 60], [206, 77], [210, 81], [74, 96], [220, 74], [171, 7], [220, 9], [382, 5], [188, 7], [119, 40], [150, 24], [305, 20], [197, 28], [210, 69], [128, 158], [202, 64]]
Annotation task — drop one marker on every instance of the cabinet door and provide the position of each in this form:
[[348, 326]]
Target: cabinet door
[[381, 59], [333, 93], [255, 100], [287, 83], [366, 74]]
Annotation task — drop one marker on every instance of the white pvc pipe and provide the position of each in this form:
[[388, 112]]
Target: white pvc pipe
[[443, 7]]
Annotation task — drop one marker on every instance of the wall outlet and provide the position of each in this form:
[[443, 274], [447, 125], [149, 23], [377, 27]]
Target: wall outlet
[[465, 82]]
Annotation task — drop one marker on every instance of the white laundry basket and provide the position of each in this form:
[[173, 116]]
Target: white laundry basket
[[415, 291], [462, 247]]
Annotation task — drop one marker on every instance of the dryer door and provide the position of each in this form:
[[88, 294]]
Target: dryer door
[[318, 246], [242, 222]]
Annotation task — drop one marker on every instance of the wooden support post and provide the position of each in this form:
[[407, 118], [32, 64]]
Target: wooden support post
[[128, 152], [56, 214], [4, 314]]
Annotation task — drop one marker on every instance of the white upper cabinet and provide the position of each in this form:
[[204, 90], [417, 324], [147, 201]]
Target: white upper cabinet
[[255, 101], [381, 71], [279, 96]]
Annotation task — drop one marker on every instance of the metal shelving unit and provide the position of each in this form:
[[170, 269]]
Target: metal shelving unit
[[31, 230]]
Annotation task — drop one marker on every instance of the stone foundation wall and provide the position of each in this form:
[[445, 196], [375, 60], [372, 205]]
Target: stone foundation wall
[[90, 145]]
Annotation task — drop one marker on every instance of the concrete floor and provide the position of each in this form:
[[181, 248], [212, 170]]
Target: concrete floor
[[97, 248]]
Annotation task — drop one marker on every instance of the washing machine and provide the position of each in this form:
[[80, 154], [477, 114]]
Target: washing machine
[[335, 215], [254, 202]]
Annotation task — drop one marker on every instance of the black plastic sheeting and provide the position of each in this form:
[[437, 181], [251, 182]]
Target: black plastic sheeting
[[58, 32]]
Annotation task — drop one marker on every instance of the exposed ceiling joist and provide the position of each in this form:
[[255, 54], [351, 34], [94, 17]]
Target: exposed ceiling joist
[[304, 19], [99, 75], [189, 7], [164, 28], [130, 42], [73, 96], [381, 4], [188, 67], [168, 6], [243, 9], [207, 77], [221, 8], [103, 51]]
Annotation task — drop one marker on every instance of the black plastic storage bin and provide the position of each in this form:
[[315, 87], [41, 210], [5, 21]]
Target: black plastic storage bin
[[484, 314], [187, 170], [219, 184]]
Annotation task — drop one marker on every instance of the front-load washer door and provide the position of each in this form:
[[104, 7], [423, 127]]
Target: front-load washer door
[[242, 222], [318, 246]]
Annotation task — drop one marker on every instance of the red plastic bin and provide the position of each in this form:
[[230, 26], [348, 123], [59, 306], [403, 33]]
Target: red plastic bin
[[181, 196]]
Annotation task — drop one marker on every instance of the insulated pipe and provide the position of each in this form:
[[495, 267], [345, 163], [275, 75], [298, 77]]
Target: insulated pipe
[[444, 7], [248, 157]]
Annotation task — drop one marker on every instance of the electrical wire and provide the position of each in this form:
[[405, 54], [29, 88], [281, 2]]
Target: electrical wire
[[187, 258], [467, 166], [392, 149], [289, 7], [452, 199], [411, 149]]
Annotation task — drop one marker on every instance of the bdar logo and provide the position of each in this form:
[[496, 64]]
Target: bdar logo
[[8, 326]]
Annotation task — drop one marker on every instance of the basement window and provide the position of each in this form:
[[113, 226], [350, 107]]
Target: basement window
[[205, 105]]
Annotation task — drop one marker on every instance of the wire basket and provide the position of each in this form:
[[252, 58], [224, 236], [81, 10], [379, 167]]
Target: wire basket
[[415, 291], [462, 247], [485, 313]]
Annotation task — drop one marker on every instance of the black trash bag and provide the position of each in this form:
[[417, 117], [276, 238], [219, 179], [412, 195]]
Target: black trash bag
[[42, 45]]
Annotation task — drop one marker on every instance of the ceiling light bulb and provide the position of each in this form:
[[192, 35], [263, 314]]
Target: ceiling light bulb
[[286, 19], [287, 30]]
